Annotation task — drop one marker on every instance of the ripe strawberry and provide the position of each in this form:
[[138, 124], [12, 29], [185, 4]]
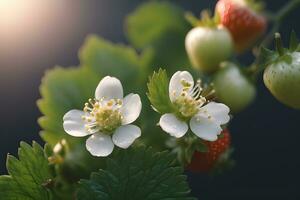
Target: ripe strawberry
[[205, 162], [242, 20]]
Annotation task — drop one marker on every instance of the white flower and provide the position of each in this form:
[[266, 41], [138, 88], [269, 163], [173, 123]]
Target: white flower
[[205, 118], [107, 118]]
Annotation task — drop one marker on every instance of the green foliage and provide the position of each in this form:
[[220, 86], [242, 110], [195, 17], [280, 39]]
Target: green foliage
[[117, 60], [29, 177], [158, 92], [153, 19], [265, 57], [66, 89], [186, 146], [160, 27], [105, 58], [137, 174], [61, 91], [185, 153]]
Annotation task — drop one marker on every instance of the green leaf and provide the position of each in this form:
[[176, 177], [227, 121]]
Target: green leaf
[[66, 89], [29, 175], [137, 174], [160, 26], [158, 92], [106, 58], [63, 90], [151, 20]]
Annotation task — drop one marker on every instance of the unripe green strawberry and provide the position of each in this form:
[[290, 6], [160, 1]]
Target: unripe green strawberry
[[282, 75], [233, 87], [208, 45]]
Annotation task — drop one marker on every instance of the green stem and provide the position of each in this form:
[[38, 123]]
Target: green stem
[[288, 8], [282, 14], [256, 68], [269, 38]]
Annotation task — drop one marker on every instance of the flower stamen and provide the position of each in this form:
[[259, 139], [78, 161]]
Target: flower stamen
[[101, 115], [190, 99]]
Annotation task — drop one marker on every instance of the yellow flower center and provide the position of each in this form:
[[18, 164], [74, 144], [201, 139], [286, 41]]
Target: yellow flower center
[[189, 100], [103, 116]]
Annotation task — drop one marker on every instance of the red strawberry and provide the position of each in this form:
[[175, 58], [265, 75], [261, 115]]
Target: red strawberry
[[205, 162], [242, 20]]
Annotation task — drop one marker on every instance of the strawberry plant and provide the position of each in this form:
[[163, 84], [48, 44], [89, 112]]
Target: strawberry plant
[[130, 119]]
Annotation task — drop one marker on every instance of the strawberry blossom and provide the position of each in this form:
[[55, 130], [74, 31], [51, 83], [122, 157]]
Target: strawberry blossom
[[205, 118], [106, 119]]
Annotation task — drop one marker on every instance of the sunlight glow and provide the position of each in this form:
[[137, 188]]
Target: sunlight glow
[[31, 28], [12, 12]]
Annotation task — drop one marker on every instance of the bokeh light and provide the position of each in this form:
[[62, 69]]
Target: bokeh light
[[28, 26]]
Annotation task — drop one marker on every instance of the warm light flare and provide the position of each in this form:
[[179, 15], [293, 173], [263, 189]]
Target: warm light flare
[[13, 12], [30, 28]]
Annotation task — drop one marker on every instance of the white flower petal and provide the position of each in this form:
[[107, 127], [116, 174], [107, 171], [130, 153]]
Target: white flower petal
[[109, 88], [217, 111], [175, 86], [124, 136], [205, 128], [175, 127], [131, 108], [74, 124], [99, 145]]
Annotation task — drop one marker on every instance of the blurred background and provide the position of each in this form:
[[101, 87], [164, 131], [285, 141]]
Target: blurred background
[[36, 35]]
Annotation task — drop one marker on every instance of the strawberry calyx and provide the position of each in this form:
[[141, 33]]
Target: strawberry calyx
[[186, 146], [206, 20], [279, 45], [268, 56]]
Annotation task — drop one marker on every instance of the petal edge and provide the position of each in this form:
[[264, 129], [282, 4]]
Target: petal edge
[[99, 145], [173, 126], [109, 88], [125, 135]]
